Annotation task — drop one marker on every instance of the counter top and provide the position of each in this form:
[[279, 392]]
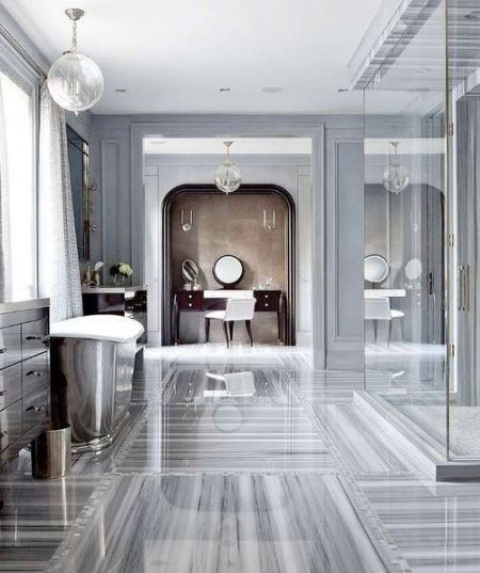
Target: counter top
[[111, 289], [7, 307]]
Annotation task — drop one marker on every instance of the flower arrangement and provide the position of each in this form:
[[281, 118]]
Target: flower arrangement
[[123, 269]]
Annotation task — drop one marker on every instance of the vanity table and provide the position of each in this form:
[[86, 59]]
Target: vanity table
[[202, 300]]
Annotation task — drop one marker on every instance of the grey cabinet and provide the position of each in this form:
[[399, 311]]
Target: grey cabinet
[[24, 374]]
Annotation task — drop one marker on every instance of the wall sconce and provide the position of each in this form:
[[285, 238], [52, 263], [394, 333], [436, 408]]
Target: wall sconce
[[269, 226], [186, 225]]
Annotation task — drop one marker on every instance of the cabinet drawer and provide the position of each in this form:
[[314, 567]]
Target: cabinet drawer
[[34, 337], [35, 409], [10, 385], [10, 346], [35, 374], [267, 300], [190, 300], [10, 424]]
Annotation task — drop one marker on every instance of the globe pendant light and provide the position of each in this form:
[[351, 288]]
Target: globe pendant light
[[227, 176], [396, 177], [75, 81]]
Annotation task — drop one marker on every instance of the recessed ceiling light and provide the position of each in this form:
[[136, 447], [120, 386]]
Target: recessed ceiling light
[[272, 90], [121, 90], [473, 15], [224, 90]]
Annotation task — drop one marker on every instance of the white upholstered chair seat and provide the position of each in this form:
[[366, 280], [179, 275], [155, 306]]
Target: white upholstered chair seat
[[379, 309], [236, 309], [216, 314]]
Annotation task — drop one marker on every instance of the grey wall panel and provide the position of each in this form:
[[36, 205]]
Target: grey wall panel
[[344, 247], [128, 131]]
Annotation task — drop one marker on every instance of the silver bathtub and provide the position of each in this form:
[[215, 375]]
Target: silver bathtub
[[92, 368]]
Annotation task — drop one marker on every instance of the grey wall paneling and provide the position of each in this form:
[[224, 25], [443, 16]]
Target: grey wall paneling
[[129, 131], [344, 246]]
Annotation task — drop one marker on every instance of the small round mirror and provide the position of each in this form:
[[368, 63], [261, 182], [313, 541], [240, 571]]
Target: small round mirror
[[228, 270], [413, 269], [189, 270], [375, 268]]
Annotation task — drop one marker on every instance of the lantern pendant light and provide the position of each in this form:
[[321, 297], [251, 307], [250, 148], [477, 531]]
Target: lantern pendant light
[[396, 177], [75, 81], [227, 176]]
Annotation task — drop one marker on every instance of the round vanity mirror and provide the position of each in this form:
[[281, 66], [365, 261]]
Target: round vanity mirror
[[375, 268], [228, 270], [189, 270], [413, 269]]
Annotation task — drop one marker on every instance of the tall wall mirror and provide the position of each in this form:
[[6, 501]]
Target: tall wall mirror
[[79, 163]]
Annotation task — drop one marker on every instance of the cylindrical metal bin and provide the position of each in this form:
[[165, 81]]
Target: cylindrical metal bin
[[51, 454]]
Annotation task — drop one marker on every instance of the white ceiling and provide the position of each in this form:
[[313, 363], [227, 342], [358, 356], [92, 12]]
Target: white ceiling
[[173, 57]]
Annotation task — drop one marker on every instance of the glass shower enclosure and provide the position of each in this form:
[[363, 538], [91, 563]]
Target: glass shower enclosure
[[419, 69]]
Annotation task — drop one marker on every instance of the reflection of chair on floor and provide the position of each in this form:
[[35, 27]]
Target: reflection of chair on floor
[[379, 309], [236, 309]]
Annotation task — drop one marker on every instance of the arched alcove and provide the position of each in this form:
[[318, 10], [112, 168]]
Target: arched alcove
[[224, 224]]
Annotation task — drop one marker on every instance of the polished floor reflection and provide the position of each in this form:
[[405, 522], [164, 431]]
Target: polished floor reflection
[[247, 461]]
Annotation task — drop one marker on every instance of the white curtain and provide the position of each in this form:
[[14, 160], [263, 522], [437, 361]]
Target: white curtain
[[5, 250], [59, 273]]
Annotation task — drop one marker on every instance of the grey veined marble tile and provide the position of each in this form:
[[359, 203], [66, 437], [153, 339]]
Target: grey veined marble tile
[[227, 436], [35, 516], [209, 524], [214, 384], [435, 525]]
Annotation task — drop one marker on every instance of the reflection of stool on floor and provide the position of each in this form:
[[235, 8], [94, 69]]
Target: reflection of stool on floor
[[379, 309]]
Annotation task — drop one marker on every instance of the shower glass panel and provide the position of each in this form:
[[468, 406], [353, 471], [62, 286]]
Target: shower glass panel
[[405, 219], [464, 86]]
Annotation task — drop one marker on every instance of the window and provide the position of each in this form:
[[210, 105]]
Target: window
[[19, 143]]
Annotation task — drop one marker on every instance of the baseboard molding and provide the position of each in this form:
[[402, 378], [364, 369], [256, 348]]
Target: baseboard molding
[[304, 339], [345, 360]]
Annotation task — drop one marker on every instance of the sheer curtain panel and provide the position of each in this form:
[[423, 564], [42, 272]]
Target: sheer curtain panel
[[59, 274]]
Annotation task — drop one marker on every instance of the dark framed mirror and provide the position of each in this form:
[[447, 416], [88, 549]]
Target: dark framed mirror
[[79, 163], [228, 270]]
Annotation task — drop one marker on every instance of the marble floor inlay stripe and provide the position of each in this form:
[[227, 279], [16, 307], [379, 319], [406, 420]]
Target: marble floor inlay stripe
[[247, 524]]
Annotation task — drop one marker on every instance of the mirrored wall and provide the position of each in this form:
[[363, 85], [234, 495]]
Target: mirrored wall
[[405, 221]]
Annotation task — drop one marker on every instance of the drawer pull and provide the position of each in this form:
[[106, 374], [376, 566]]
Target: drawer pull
[[37, 373], [266, 304], [34, 337], [3, 434], [3, 350], [36, 409], [266, 296], [190, 296], [190, 304], [3, 393]]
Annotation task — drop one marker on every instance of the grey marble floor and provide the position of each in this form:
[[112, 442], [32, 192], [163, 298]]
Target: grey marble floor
[[244, 460]]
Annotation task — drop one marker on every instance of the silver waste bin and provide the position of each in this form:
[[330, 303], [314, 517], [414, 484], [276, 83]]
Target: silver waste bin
[[92, 370], [51, 453]]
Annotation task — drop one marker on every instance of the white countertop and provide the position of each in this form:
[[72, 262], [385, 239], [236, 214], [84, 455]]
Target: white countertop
[[111, 289], [384, 292], [225, 293], [6, 307]]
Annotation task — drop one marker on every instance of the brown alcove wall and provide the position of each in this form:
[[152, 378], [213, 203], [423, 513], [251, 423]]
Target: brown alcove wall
[[233, 225]]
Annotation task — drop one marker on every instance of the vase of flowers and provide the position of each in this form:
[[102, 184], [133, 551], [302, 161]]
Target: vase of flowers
[[120, 273]]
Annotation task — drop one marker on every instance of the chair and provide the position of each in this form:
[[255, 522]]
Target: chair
[[236, 309], [379, 309]]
